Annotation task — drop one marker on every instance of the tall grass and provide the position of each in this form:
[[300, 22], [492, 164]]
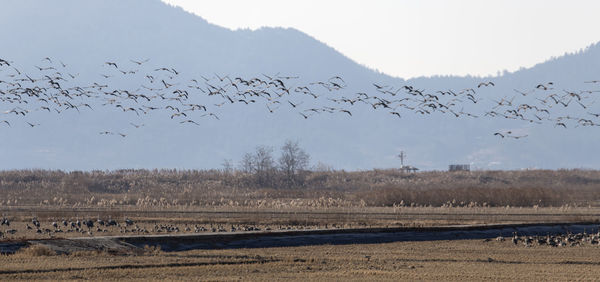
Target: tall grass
[[205, 188]]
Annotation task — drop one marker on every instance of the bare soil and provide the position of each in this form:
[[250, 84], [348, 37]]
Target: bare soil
[[471, 260]]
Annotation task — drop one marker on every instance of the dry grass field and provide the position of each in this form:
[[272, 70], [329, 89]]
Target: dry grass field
[[181, 190], [470, 260]]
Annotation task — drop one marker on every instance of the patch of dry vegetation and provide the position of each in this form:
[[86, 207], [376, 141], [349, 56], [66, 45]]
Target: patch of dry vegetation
[[211, 188], [35, 251]]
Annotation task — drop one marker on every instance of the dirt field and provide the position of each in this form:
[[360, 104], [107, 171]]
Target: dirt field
[[472, 260]]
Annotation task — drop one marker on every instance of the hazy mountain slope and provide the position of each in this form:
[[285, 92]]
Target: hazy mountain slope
[[85, 34]]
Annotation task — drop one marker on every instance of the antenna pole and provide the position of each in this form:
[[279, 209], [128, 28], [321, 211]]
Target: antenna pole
[[402, 156]]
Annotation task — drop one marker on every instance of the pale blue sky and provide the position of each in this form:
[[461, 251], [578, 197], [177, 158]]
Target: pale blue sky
[[409, 38]]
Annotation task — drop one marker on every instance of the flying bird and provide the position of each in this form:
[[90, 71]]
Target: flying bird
[[518, 137], [4, 62], [346, 111], [112, 64], [189, 121], [489, 83], [140, 62]]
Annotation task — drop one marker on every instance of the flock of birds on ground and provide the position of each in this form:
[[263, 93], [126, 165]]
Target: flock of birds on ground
[[52, 88], [562, 240], [127, 226], [81, 226]]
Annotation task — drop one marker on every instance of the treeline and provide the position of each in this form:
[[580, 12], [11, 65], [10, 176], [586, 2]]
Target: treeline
[[277, 188]]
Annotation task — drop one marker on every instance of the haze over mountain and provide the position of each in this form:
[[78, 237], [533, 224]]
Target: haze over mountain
[[85, 34]]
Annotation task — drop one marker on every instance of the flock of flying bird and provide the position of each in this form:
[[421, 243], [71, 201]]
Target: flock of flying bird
[[52, 88]]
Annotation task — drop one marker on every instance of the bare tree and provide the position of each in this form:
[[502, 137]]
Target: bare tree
[[263, 161], [260, 164], [247, 163], [227, 166], [293, 159]]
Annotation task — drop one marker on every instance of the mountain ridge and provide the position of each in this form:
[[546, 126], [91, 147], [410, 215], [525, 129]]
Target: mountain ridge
[[80, 34]]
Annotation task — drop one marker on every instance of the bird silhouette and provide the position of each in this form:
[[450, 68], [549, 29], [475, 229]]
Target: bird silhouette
[[140, 62], [489, 83], [111, 64]]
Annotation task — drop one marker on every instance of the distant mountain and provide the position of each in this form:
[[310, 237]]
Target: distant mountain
[[85, 34]]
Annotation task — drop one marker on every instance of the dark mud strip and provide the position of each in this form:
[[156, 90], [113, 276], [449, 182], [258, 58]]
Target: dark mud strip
[[348, 236], [134, 266], [11, 247]]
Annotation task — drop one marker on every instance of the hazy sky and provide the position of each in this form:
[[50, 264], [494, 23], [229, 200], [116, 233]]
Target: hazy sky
[[409, 38]]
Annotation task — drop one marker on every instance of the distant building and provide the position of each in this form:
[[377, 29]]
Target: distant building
[[408, 168], [459, 167], [405, 168]]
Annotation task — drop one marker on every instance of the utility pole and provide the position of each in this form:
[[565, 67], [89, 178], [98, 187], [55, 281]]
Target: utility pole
[[402, 156]]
